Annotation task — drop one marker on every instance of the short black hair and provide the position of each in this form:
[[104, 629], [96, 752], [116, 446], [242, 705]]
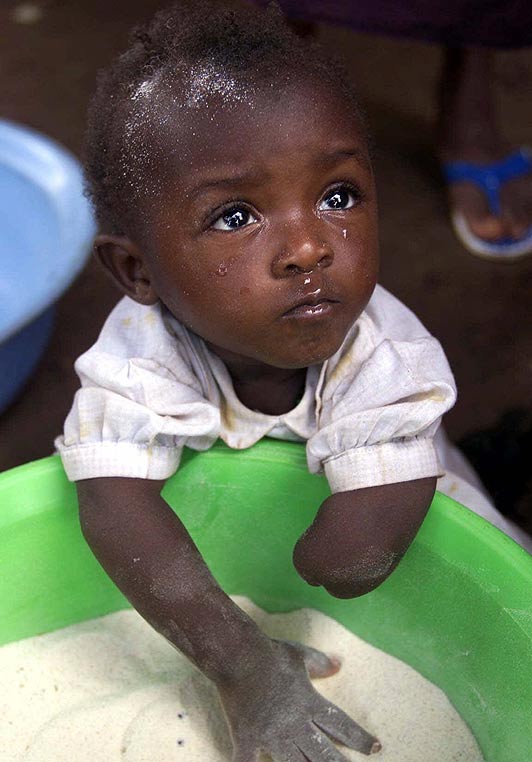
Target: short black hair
[[213, 46]]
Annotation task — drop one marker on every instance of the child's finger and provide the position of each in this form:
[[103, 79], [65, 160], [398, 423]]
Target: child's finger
[[288, 753], [241, 754], [317, 663], [339, 726], [317, 748]]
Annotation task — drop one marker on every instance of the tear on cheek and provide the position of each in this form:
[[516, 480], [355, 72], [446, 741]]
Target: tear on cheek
[[224, 266]]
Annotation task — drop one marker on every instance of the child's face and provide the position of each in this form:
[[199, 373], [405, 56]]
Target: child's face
[[266, 246]]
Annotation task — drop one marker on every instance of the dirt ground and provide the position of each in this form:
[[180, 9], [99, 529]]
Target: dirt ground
[[480, 311]]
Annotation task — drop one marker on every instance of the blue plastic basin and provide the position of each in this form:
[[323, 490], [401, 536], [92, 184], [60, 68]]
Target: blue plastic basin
[[46, 229]]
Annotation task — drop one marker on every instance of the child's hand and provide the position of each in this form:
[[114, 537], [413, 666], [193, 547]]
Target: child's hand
[[276, 710], [264, 685]]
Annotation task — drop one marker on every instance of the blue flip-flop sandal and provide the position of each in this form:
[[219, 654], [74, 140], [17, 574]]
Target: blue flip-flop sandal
[[490, 178]]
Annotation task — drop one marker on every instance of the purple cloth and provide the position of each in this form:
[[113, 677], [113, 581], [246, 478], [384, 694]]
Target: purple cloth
[[487, 23]]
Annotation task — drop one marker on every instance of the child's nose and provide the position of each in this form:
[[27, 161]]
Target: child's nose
[[302, 251]]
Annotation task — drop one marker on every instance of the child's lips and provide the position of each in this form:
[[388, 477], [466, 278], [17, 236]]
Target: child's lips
[[312, 306]]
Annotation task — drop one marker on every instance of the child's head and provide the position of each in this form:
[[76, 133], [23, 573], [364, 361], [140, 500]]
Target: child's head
[[229, 167]]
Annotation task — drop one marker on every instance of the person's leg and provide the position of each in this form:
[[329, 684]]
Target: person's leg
[[468, 131]]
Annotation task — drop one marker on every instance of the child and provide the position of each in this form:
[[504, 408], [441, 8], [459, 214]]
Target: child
[[229, 168]]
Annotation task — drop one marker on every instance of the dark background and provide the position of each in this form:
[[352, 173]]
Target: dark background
[[480, 311]]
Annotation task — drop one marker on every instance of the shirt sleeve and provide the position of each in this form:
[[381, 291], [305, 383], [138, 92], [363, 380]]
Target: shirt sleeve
[[380, 401], [133, 414]]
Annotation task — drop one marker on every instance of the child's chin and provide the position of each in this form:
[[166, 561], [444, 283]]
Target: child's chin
[[304, 359]]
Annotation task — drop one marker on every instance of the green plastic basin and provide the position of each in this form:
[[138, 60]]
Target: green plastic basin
[[458, 609]]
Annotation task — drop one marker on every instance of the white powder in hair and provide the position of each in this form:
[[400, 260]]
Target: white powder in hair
[[206, 80], [113, 689], [154, 105], [145, 88]]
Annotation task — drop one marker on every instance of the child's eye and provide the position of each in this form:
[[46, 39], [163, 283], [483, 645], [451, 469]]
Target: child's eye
[[236, 217], [338, 199]]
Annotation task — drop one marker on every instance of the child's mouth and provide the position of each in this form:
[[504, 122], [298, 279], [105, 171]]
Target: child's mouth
[[312, 309]]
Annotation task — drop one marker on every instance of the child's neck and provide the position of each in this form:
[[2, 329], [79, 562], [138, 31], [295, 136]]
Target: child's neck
[[269, 394], [261, 387]]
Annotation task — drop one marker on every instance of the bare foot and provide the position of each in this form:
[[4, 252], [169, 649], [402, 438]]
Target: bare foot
[[468, 132], [515, 216]]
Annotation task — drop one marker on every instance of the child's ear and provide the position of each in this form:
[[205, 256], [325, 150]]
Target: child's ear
[[123, 260]]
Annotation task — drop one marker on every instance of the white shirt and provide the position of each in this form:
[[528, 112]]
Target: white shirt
[[149, 387]]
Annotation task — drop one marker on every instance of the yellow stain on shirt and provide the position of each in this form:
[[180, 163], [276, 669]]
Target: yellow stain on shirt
[[227, 415], [85, 429], [437, 397]]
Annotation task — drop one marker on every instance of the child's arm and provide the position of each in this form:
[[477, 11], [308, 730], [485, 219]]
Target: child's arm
[[358, 537], [268, 699]]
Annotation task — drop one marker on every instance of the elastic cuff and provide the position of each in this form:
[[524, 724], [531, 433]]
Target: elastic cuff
[[92, 461], [387, 463]]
